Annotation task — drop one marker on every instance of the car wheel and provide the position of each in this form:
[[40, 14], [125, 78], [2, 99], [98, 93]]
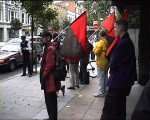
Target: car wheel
[[12, 66], [37, 59]]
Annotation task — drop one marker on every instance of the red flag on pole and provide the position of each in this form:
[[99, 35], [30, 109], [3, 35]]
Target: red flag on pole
[[75, 42], [109, 24], [126, 14], [125, 17]]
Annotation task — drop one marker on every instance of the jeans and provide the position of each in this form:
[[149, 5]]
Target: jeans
[[102, 76], [74, 74]]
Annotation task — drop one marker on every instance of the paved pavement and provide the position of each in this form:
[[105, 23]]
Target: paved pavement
[[21, 98]]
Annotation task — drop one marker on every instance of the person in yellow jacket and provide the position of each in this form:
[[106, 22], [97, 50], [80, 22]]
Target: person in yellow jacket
[[102, 63]]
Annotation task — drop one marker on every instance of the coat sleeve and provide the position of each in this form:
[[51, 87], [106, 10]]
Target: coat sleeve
[[121, 54], [50, 62], [98, 49]]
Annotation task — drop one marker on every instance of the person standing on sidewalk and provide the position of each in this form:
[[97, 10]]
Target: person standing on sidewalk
[[84, 61], [102, 63], [74, 72], [25, 48], [57, 41], [122, 75], [48, 84]]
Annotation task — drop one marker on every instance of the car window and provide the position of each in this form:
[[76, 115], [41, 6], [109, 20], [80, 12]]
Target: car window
[[16, 40], [11, 48]]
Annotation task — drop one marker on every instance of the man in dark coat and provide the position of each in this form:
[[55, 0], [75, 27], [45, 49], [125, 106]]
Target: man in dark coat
[[25, 48], [48, 84], [142, 108], [122, 76]]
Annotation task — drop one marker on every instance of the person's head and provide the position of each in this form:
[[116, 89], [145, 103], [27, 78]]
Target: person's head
[[54, 36], [102, 34], [121, 27], [23, 38], [46, 37]]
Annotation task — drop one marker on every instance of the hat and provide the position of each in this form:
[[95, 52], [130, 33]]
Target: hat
[[23, 36], [46, 33]]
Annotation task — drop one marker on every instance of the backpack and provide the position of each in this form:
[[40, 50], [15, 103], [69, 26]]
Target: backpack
[[60, 71]]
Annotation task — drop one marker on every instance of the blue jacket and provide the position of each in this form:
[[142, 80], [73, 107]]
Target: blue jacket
[[123, 64]]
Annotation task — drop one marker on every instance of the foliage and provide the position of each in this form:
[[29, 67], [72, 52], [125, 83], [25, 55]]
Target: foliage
[[16, 24], [55, 25], [97, 10], [65, 23], [35, 6], [42, 14], [133, 18], [43, 20]]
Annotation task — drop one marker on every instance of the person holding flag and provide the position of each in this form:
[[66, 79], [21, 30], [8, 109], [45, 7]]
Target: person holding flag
[[122, 75]]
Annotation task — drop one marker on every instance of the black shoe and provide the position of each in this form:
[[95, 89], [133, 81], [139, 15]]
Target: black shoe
[[30, 75], [23, 75], [71, 88], [77, 86]]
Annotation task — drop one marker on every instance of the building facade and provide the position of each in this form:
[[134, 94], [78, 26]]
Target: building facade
[[8, 11], [73, 8]]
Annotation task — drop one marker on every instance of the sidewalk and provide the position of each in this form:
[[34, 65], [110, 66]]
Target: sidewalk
[[22, 98]]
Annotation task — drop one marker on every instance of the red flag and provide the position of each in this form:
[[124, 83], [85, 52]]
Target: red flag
[[126, 14], [109, 24], [125, 17], [80, 31], [75, 42]]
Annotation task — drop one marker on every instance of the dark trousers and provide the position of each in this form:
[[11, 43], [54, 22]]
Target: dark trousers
[[51, 104], [26, 62], [115, 104], [92, 55], [83, 72]]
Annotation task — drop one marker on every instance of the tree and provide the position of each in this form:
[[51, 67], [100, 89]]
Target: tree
[[34, 8], [43, 20], [15, 24], [97, 10], [55, 25], [133, 18], [65, 23]]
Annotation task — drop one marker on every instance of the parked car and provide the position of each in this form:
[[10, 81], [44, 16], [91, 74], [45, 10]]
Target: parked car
[[35, 38], [11, 55], [15, 40], [2, 44]]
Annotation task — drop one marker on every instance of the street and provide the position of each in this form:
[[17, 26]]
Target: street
[[4, 74]]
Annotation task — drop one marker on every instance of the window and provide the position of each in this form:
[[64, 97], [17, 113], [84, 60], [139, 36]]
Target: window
[[15, 14], [0, 14], [9, 16], [67, 4], [12, 15], [22, 17], [28, 19]]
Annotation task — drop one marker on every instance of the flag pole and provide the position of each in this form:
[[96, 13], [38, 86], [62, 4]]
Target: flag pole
[[61, 33], [95, 31], [67, 27]]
